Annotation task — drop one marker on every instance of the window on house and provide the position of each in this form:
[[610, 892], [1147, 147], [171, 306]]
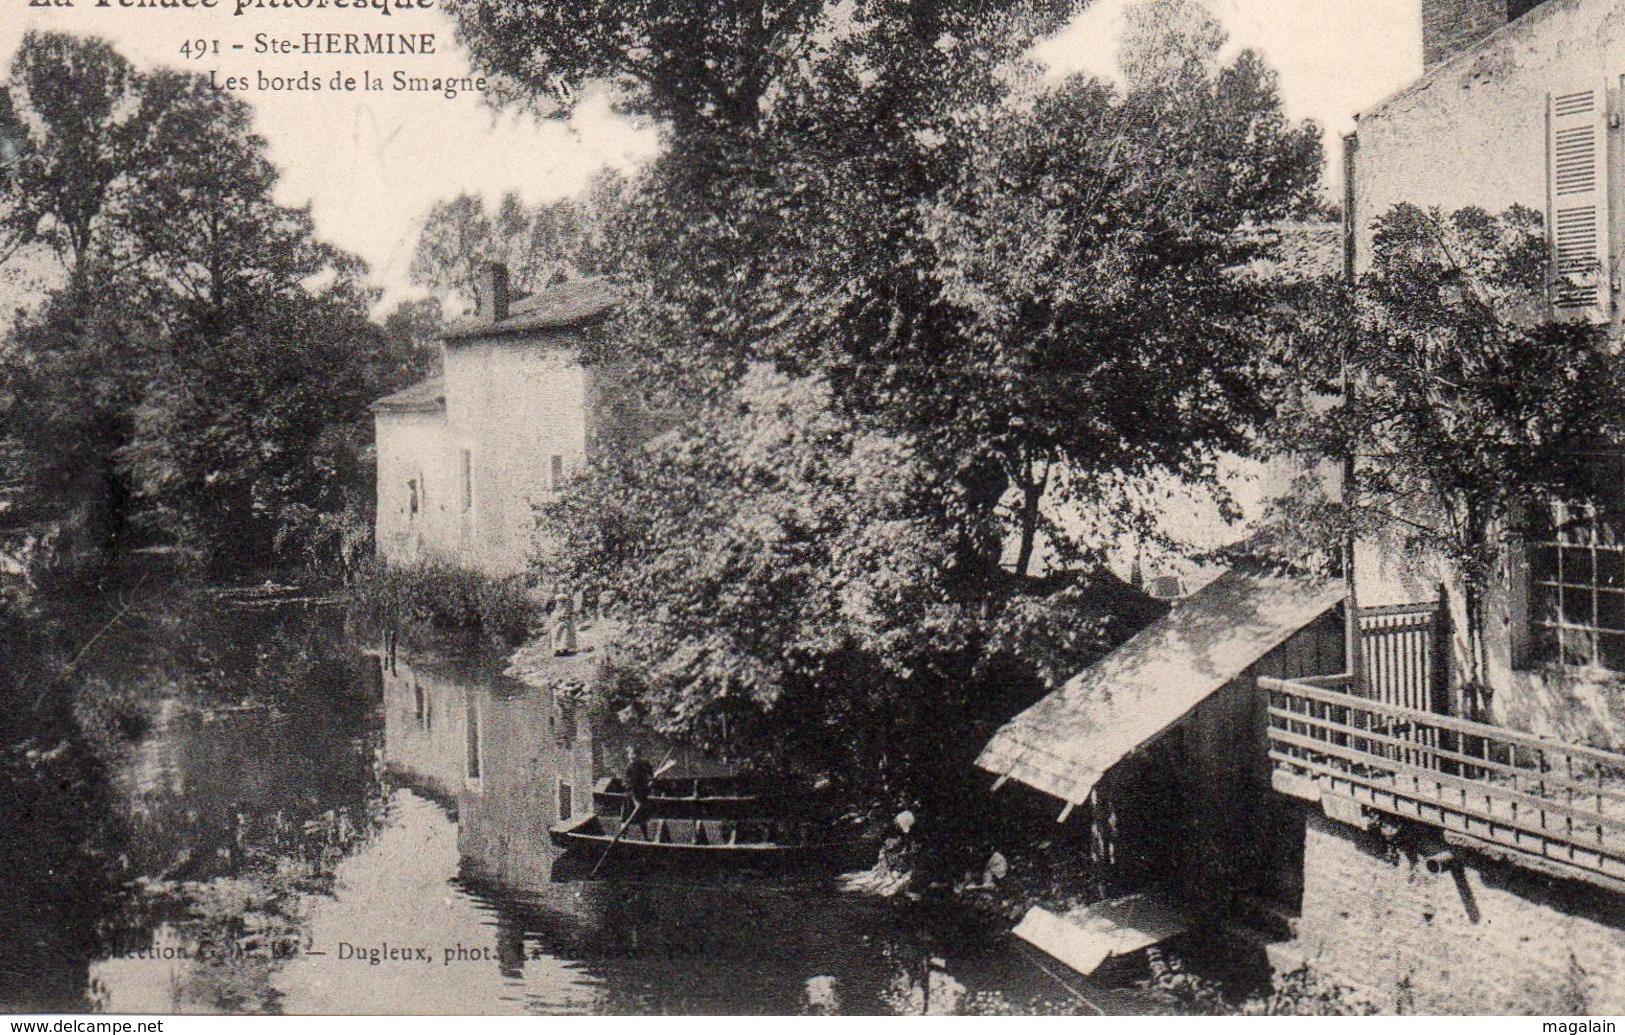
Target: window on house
[[566, 801], [412, 496], [556, 473], [465, 478], [1577, 576], [473, 741]]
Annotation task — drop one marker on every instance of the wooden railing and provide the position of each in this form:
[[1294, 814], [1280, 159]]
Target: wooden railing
[[1563, 804]]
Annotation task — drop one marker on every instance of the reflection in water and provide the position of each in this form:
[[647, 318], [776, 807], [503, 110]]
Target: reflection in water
[[259, 775], [316, 832]]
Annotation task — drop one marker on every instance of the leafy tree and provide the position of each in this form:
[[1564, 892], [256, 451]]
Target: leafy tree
[[783, 575], [699, 69], [755, 553], [559, 239], [75, 368], [1098, 246], [200, 379], [80, 112], [1471, 408], [255, 451], [454, 241], [412, 330], [969, 265], [213, 239]]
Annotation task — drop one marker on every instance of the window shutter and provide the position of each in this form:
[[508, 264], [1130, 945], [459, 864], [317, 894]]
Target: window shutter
[[1577, 212]]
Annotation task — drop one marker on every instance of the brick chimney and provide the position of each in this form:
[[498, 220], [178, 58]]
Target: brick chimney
[[1451, 26], [491, 292]]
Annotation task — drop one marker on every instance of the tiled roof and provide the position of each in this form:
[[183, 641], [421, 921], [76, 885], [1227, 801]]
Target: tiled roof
[[1472, 66], [564, 304], [424, 397], [1066, 742]]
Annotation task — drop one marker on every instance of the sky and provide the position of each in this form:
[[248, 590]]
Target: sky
[[371, 165]]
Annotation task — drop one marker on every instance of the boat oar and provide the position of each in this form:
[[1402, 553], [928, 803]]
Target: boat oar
[[637, 807]]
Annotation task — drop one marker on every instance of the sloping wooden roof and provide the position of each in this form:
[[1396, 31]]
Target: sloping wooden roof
[[1066, 742], [428, 396]]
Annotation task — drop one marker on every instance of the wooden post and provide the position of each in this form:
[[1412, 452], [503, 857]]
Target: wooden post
[[1351, 604]]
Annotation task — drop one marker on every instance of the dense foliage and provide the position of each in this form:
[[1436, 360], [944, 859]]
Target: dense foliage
[[897, 296], [539, 244], [196, 377], [437, 606]]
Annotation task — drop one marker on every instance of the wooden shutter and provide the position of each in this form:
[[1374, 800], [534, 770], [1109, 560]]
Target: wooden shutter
[[1577, 173]]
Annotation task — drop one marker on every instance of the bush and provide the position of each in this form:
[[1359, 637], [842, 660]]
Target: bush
[[1296, 993], [439, 605], [1304, 993]]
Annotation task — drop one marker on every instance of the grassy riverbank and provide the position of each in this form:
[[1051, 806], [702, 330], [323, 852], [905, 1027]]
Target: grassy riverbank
[[440, 606]]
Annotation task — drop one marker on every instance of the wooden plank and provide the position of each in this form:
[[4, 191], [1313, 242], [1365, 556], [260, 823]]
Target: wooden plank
[[1294, 785], [1346, 811], [1342, 679], [1428, 608], [1308, 691], [1086, 938]]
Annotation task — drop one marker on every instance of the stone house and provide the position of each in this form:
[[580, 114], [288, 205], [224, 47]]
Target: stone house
[[1447, 855], [1481, 865], [524, 404]]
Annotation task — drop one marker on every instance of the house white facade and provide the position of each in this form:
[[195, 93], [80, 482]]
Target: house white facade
[[465, 458]]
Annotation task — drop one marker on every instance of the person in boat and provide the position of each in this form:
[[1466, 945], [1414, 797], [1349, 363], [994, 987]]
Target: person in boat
[[639, 779]]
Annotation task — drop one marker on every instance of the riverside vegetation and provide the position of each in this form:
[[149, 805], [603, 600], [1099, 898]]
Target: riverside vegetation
[[901, 299]]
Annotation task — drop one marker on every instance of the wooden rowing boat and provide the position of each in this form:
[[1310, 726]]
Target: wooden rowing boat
[[703, 797], [699, 841]]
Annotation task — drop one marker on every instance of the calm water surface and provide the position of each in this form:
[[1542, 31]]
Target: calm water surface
[[314, 829]]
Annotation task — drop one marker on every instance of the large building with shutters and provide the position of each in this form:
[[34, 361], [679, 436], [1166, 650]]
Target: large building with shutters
[[1478, 861], [1353, 809], [1523, 109]]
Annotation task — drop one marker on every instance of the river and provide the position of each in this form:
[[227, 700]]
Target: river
[[316, 828]]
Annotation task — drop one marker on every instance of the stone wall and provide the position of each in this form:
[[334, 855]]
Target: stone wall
[[513, 404], [1487, 938], [414, 448]]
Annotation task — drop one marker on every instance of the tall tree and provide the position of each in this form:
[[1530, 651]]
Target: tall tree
[[562, 239], [80, 112], [143, 417]]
